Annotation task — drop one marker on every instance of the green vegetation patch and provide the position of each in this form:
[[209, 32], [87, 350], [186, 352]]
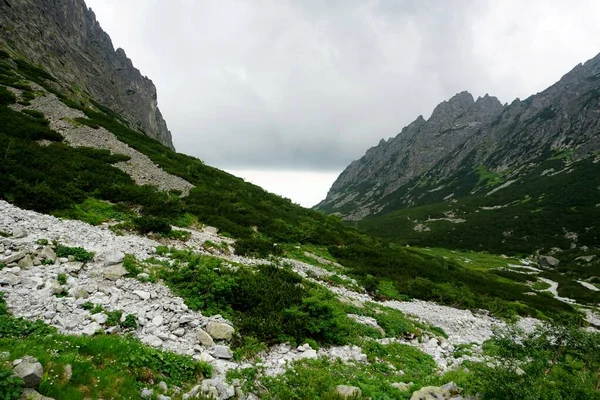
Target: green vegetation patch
[[269, 304], [103, 366], [79, 253]]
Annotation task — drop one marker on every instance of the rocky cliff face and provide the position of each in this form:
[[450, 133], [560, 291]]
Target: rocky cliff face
[[64, 37], [464, 133]]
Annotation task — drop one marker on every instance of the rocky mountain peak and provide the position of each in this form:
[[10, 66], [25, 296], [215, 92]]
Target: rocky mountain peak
[[450, 109], [72, 47]]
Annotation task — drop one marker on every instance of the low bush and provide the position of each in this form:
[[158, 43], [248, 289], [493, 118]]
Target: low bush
[[6, 97], [257, 247], [557, 362], [270, 304], [79, 253], [11, 386], [152, 225]]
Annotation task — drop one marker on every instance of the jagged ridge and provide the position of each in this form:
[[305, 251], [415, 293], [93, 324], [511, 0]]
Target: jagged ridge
[[66, 39], [463, 133]]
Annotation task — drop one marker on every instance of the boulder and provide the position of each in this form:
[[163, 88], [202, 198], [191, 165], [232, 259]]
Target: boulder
[[47, 254], [19, 233], [146, 393], [548, 262], [9, 280], [403, 387], [114, 257], [31, 371], [163, 387], [152, 341], [68, 372], [53, 286], [445, 392], [222, 352], [78, 292], [74, 267], [347, 392], [26, 262], [142, 294], [30, 394], [220, 330], [204, 338], [114, 272], [14, 257], [586, 259]]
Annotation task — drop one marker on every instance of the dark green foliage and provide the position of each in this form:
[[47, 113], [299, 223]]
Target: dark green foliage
[[79, 253], [537, 211], [21, 126], [114, 317], [6, 97], [151, 224], [514, 276], [34, 73], [558, 362], [256, 246], [11, 386], [62, 279], [37, 115], [130, 322], [432, 278], [270, 304]]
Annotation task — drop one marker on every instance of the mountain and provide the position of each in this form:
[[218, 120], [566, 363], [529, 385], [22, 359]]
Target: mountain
[[128, 270], [474, 163], [64, 37]]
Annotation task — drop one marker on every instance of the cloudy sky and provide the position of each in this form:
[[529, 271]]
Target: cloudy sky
[[288, 93]]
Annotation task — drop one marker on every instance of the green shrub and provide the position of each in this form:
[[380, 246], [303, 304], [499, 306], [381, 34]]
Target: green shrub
[[130, 322], [62, 279], [559, 362], [256, 246], [179, 235], [150, 224], [79, 253], [6, 97], [114, 318], [11, 386]]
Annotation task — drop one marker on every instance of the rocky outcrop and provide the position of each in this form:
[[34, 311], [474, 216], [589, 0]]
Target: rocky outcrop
[[463, 134], [64, 37]]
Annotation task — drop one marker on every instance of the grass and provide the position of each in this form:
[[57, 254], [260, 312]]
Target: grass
[[95, 212], [317, 379], [476, 261], [103, 366]]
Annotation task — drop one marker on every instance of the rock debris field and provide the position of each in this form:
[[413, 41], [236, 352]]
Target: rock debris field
[[164, 321]]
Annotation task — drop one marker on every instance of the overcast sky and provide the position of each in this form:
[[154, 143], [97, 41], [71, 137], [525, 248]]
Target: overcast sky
[[288, 93]]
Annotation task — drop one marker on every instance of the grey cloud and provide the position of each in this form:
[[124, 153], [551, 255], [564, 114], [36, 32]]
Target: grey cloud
[[307, 85]]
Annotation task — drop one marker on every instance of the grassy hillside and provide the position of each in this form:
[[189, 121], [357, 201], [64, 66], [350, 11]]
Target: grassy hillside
[[551, 204], [86, 185]]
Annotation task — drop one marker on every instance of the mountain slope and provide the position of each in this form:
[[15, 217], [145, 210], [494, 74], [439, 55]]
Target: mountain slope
[[64, 37], [473, 156]]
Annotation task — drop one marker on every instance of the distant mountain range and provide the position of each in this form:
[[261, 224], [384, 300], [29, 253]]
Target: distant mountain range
[[477, 174]]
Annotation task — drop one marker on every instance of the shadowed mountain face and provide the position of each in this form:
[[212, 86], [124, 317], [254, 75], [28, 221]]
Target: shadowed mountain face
[[64, 37], [463, 135]]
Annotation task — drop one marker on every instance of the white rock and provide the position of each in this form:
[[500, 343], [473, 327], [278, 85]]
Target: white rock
[[114, 257], [19, 233], [141, 294], [152, 341]]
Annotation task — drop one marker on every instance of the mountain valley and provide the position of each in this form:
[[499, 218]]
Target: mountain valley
[[462, 261]]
